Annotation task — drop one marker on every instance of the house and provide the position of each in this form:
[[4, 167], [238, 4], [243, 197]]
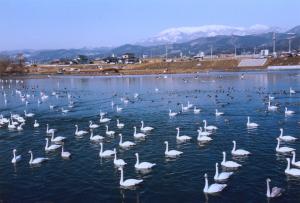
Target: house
[[129, 58]]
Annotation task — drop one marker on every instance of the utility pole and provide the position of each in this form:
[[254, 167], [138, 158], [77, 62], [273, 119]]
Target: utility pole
[[234, 51], [211, 52], [166, 53], [274, 44]]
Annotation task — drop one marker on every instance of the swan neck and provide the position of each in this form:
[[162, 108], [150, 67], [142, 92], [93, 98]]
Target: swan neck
[[206, 184], [278, 142], [167, 147], [288, 164], [177, 133], [217, 171], [121, 140], [268, 189], [14, 152], [234, 146], [46, 143], [31, 157], [137, 160], [224, 157], [101, 148], [121, 180], [294, 158]]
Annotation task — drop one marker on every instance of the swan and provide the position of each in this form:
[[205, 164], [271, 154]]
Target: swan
[[50, 131], [223, 176], [271, 107], [292, 91], [38, 160], [286, 138], [64, 110], [28, 114], [276, 192], [291, 171], [125, 144], [283, 149], [182, 137], [172, 114], [138, 135], [189, 105], [80, 132], [106, 153], [203, 133], [271, 97], [95, 138], [11, 125], [229, 164], [110, 133], [118, 162], [196, 111], [92, 125], [120, 125], [294, 163], [57, 139], [119, 109], [184, 108], [20, 127], [250, 124], [16, 158], [64, 154], [213, 188], [129, 182], [52, 147], [36, 124], [171, 153], [203, 138], [145, 129], [102, 113], [103, 120], [142, 165], [209, 127], [218, 113], [288, 112], [238, 152]]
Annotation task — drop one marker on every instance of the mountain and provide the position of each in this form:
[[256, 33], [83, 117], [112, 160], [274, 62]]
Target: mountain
[[184, 34], [295, 30]]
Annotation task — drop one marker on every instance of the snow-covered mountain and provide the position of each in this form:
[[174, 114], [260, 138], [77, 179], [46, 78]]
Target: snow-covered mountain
[[183, 34]]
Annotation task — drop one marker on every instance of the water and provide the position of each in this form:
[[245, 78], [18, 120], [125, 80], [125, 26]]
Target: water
[[87, 178]]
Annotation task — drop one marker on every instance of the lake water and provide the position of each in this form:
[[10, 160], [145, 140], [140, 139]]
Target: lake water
[[87, 178]]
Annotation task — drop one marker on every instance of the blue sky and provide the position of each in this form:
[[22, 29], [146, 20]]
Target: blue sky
[[51, 24]]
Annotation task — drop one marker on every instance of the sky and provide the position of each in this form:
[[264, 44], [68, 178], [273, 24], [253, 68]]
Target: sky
[[54, 24]]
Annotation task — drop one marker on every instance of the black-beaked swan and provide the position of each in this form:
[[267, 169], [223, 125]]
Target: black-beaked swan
[[109, 132], [209, 127], [57, 138], [288, 112], [38, 160], [172, 114], [79, 132], [213, 188], [251, 124], [93, 125], [118, 162], [52, 147], [182, 137], [16, 158], [294, 162], [238, 152], [276, 192], [291, 171], [65, 154], [146, 128], [283, 149], [125, 144], [229, 164], [196, 111], [218, 113], [171, 153], [36, 124], [138, 135], [50, 131], [120, 125], [95, 138], [286, 138], [142, 165], [129, 182], [223, 176], [106, 153]]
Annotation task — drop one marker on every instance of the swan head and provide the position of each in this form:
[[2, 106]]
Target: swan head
[[90, 122], [120, 169], [205, 175], [142, 121], [166, 142], [204, 121], [177, 128], [134, 127], [14, 150], [234, 142], [217, 164], [120, 135], [224, 153], [115, 151], [268, 180], [76, 125], [101, 144], [288, 160], [281, 129], [293, 152], [30, 152], [136, 154]]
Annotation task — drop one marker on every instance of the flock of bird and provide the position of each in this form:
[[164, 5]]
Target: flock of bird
[[205, 132]]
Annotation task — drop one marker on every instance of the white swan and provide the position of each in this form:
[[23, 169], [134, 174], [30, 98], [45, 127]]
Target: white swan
[[196, 111], [218, 113], [251, 124], [119, 109], [11, 125], [172, 114], [294, 162], [16, 158], [223, 176], [106, 153], [20, 127], [283, 149], [50, 131], [286, 138], [118, 162], [292, 91], [79, 132], [171, 153], [142, 165], [238, 152], [271, 107], [203, 133], [64, 154], [93, 125], [95, 138], [288, 112], [103, 120], [35, 161], [209, 127], [120, 125], [52, 147], [28, 114], [189, 105], [182, 138], [276, 192], [138, 135], [271, 97], [213, 188], [229, 164], [203, 138], [57, 139], [125, 144], [291, 171], [107, 132], [129, 182], [184, 108], [145, 129], [36, 124], [65, 110]]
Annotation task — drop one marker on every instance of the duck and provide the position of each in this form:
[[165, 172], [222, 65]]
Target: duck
[[125, 144], [182, 138], [118, 162], [288, 112], [203, 133], [196, 111], [92, 125], [138, 135], [57, 139], [291, 171], [35, 161], [213, 188], [294, 162], [50, 131], [251, 124], [145, 129], [229, 164], [120, 125], [286, 138], [52, 147], [271, 107], [172, 114], [80, 132], [276, 192], [209, 127], [106, 153], [103, 120], [203, 138], [36, 124], [109, 133], [29, 115], [95, 138], [238, 152], [218, 113], [129, 182], [283, 149], [223, 176], [142, 165], [171, 153], [65, 154], [16, 158]]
